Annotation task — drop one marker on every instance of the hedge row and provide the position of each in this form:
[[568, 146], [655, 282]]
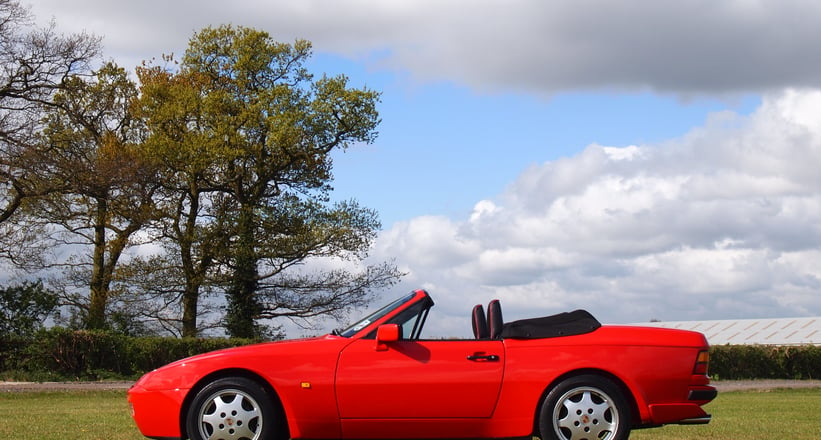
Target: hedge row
[[733, 362], [61, 354]]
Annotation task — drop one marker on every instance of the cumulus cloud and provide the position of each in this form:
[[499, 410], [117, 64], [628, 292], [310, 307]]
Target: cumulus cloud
[[723, 222], [686, 48]]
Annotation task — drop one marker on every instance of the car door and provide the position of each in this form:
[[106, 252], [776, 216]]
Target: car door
[[419, 379]]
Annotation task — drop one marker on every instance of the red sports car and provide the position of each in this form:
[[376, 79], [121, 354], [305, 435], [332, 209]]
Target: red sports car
[[557, 377]]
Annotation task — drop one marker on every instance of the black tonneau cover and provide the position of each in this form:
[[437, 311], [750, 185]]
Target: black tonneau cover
[[576, 322]]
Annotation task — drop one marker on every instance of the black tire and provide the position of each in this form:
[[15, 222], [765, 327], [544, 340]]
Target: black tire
[[233, 408], [586, 407]]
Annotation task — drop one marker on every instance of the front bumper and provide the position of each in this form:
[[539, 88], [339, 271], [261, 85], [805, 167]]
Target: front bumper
[[157, 412]]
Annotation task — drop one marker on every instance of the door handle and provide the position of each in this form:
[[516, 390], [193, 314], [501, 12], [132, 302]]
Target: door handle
[[483, 357]]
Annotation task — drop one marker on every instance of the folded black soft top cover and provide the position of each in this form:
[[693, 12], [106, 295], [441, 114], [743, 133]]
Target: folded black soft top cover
[[576, 322]]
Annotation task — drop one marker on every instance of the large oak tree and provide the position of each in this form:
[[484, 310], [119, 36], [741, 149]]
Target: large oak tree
[[246, 134], [92, 146], [223, 163]]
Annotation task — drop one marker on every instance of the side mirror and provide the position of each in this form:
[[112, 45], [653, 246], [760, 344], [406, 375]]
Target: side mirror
[[385, 334]]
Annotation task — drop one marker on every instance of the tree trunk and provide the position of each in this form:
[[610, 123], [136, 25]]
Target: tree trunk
[[98, 296], [190, 299], [243, 306]]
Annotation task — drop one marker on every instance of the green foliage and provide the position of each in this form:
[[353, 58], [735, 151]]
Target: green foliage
[[222, 162], [278, 127], [91, 145], [245, 136], [731, 362], [24, 307], [64, 354]]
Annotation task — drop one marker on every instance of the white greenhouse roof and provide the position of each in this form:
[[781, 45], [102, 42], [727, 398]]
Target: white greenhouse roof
[[781, 331]]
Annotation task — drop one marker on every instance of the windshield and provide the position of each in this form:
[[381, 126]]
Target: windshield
[[375, 316]]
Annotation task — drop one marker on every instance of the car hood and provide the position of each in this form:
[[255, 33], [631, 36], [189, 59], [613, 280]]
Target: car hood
[[184, 372]]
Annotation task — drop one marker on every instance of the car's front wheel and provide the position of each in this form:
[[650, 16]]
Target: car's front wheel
[[586, 407], [232, 408]]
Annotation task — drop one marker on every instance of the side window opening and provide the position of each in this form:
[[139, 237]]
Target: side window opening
[[411, 321], [415, 331]]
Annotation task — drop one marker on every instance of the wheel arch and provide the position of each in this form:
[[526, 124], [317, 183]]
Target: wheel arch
[[635, 416], [233, 372]]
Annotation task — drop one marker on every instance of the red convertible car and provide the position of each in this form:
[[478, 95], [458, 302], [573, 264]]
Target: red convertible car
[[557, 377]]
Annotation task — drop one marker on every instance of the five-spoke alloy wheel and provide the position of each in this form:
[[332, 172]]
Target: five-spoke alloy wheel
[[232, 409], [585, 407]]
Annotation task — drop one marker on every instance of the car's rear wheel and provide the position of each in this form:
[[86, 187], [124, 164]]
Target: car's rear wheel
[[586, 407], [232, 408]]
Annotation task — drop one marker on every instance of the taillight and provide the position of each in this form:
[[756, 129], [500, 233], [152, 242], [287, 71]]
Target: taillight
[[702, 362]]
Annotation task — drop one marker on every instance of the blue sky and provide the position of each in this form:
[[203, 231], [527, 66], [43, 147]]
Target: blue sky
[[443, 147], [641, 159]]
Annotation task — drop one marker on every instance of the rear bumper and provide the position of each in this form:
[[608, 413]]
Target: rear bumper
[[688, 412], [703, 394], [677, 413]]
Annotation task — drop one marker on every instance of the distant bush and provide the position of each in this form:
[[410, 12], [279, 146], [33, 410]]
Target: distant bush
[[63, 354], [733, 362], [24, 307]]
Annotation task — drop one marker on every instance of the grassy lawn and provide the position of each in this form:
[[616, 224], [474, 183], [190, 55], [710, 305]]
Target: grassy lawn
[[97, 415], [751, 415], [748, 415]]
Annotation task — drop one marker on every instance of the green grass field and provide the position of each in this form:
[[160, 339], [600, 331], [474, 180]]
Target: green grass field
[[104, 415], [97, 415], [752, 415]]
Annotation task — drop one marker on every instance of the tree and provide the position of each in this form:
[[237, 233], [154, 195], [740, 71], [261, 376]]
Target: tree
[[183, 141], [250, 134], [34, 64], [91, 146]]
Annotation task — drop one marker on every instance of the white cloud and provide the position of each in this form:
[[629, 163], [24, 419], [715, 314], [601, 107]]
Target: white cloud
[[687, 48], [430, 242], [721, 222], [724, 222]]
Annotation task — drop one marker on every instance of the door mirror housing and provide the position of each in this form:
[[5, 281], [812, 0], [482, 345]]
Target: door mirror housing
[[385, 334]]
